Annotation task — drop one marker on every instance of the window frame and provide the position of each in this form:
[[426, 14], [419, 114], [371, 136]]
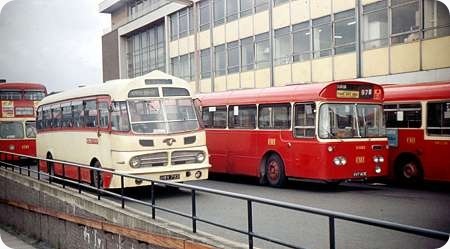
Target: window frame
[[305, 127]]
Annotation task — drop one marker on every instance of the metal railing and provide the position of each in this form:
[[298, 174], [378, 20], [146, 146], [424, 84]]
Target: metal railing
[[194, 190]]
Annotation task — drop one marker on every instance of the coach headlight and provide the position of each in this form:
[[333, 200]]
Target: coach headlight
[[200, 157], [135, 162]]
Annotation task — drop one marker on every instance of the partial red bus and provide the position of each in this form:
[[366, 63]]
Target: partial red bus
[[328, 132], [418, 126], [18, 102]]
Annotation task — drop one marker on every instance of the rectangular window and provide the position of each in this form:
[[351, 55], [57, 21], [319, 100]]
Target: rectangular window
[[375, 25], [56, 116], [175, 66], [119, 116], [436, 19], [242, 117], [261, 5], [405, 21], [205, 63], [305, 120], [246, 7], [282, 46], [344, 32], [277, 116], [219, 12], [262, 51], [232, 10], [183, 23], [233, 57], [204, 15], [192, 66], [145, 52], [184, 67], [220, 60], [191, 20], [403, 115], [321, 36], [174, 26], [247, 54], [215, 116], [90, 113], [67, 119], [301, 36], [278, 2], [438, 119], [78, 114], [103, 114]]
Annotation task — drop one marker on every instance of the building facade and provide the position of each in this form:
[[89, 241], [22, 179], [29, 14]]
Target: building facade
[[219, 45]]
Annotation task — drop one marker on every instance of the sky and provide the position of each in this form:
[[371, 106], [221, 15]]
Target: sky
[[53, 42]]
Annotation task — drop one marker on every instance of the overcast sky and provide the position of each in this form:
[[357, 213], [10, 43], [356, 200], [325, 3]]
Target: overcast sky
[[54, 42]]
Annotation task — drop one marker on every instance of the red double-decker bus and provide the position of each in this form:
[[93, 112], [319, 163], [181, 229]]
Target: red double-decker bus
[[418, 127], [328, 132], [18, 102]]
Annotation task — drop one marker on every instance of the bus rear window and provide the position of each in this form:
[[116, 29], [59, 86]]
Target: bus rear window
[[438, 119]]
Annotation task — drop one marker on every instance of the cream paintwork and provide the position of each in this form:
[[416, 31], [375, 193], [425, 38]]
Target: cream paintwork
[[248, 79], [301, 72], [173, 48], [262, 78], [233, 81], [322, 70], [375, 62], [232, 31], [282, 75], [299, 11], [345, 66], [261, 22], [114, 150], [220, 83], [281, 16], [219, 35], [436, 53], [341, 5], [245, 27], [320, 8]]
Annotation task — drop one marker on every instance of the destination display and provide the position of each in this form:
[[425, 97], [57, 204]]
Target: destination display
[[351, 91]]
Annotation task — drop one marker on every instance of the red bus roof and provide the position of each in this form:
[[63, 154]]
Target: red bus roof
[[290, 93], [22, 86], [417, 91]]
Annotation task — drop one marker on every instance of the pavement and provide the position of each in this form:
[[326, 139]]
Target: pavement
[[12, 241]]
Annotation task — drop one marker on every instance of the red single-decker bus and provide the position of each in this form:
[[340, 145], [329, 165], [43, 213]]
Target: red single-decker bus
[[418, 127], [328, 132]]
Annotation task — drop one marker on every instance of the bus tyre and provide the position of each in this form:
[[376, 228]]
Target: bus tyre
[[96, 176], [275, 174], [409, 171]]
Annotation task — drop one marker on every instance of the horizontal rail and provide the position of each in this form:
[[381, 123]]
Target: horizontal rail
[[332, 215]]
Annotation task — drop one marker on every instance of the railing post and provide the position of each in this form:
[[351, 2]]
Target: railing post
[[332, 239], [97, 172], [49, 168], [79, 179], [39, 169], [20, 169], [28, 168], [153, 200], [122, 190], [250, 224], [194, 212], [63, 175]]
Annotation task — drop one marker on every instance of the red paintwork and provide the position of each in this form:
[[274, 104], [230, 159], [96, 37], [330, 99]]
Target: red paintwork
[[433, 154], [22, 146], [241, 151]]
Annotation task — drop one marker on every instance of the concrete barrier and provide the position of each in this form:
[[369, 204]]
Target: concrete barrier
[[66, 219]]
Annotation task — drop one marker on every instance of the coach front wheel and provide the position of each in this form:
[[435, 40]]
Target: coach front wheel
[[275, 174]]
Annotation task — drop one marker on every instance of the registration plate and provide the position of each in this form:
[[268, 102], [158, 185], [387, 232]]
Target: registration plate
[[170, 177]]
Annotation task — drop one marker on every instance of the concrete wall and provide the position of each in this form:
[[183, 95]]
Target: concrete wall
[[110, 53], [66, 219]]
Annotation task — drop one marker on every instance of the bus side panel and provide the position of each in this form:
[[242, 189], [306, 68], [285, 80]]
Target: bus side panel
[[242, 147], [410, 141], [436, 160], [216, 141], [24, 146], [308, 161]]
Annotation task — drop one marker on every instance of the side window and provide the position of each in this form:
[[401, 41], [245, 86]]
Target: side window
[[56, 120], [242, 117], [67, 120], [47, 123], [274, 116], [403, 115], [215, 117], [90, 113], [103, 114], [39, 118], [119, 117], [438, 118], [305, 120], [78, 114]]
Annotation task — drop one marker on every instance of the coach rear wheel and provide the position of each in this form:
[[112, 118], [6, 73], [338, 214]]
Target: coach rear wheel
[[275, 174], [409, 171], [96, 176]]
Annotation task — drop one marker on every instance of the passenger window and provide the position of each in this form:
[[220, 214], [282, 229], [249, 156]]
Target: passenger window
[[67, 119], [215, 117], [103, 114], [305, 120], [78, 115], [438, 119], [274, 116], [90, 113], [242, 117], [119, 117], [403, 115], [56, 120]]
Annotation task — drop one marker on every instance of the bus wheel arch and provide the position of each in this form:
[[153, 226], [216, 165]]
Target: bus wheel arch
[[96, 176], [273, 170], [408, 169]]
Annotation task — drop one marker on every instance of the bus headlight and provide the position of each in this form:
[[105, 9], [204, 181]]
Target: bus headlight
[[11, 147], [340, 161], [200, 157], [378, 159], [135, 162], [377, 169]]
